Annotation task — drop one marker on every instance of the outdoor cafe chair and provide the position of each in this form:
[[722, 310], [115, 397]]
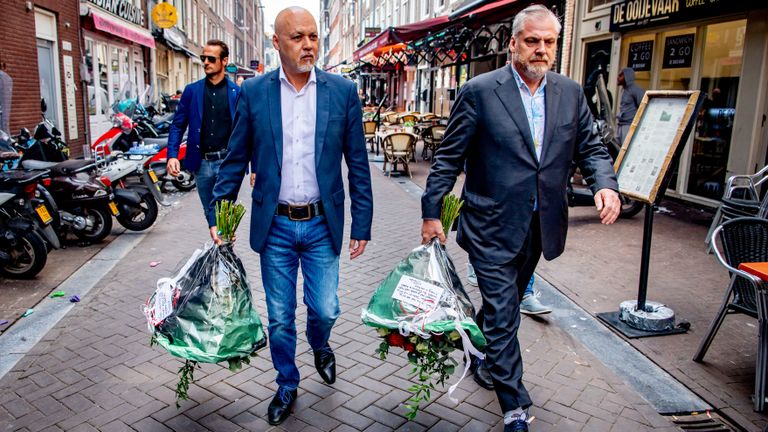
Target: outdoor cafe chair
[[432, 139], [398, 148], [428, 117], [740, 199], [369, 129], [743, 240], [390, 117], [408, 118]]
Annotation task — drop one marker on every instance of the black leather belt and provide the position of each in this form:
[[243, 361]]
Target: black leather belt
[[212, 156], [300, 212]]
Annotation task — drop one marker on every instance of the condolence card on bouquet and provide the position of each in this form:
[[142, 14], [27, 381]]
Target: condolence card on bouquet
[[205, 313]]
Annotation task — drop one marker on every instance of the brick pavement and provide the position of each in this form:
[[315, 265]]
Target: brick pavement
[[95, 370]]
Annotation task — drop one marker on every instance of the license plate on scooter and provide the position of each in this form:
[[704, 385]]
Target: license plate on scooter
[[42, 211], [113, 208], [153, 176]]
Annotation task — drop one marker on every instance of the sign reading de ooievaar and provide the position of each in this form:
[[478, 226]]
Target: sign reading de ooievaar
[[637, 14]]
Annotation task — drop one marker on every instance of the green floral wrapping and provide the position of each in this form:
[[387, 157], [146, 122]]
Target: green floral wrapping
[[213, 318], [423, 295]]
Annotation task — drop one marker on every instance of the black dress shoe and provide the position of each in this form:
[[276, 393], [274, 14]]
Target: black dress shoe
[[516, 426], [281, 405], [480, 373], [325, 363]]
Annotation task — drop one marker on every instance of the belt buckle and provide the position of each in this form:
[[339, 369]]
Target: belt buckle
[[299, 219]]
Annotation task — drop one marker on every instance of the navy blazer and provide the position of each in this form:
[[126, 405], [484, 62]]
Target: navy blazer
[[488, 134], [257, 139], [190, 113]]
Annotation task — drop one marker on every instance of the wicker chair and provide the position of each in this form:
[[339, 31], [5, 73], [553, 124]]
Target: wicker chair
[[432, 141], [369, 128], [743, 240], [407, 118], [389, 117], [398, 148], [740, 199], [428, 117]]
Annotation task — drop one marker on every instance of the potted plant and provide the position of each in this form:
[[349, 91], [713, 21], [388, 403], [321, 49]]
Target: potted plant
[[408, 126]]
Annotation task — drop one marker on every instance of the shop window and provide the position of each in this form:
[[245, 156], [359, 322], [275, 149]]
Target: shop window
[[676, 59], [719, 83], [596, 4], [637, 53]]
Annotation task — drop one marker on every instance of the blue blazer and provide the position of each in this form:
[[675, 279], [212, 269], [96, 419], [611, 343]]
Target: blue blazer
[[257, 139], [488, 136], [190, 113]]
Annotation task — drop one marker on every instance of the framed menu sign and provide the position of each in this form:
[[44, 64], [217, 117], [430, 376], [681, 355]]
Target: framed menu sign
[[662, 124]]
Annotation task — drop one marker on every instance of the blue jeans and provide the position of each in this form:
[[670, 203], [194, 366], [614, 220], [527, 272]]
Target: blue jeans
[[290, 244], [206, 180]]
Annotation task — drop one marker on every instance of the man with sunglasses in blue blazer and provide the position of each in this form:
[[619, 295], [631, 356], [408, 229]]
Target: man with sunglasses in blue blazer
[[207, 109]]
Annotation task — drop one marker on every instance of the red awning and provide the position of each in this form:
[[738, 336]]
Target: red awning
[[382, 39], [402, 34], [496, 11], [127, 31]]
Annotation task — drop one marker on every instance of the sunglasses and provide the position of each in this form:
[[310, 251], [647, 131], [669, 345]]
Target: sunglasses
[[211, 59]]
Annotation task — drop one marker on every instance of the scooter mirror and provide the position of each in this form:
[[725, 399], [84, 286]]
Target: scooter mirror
[[43, 106]]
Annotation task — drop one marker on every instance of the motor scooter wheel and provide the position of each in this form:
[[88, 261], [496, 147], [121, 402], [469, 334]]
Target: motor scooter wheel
[[141, 217], [28, 256], [630, 207], [187, 184], [101, 224]]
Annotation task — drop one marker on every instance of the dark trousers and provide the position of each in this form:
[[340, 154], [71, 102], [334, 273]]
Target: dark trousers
[[502, 287]]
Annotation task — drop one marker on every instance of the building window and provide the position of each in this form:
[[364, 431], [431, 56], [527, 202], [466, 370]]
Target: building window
[[239, 14], [596, 4]]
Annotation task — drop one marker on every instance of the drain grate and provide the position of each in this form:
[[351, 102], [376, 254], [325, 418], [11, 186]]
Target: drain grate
[[698, 422]]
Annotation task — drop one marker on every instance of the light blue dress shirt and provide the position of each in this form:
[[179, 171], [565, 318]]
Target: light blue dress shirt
[[534, 109]]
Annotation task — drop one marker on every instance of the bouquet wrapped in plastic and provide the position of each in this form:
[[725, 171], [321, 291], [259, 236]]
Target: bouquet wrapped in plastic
[[205, 313], [422, 307]]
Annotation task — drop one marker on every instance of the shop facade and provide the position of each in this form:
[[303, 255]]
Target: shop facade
[[117, 48], [719, 48]]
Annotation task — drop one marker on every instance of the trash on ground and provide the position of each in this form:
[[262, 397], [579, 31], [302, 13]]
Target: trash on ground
[[57, 294], [27, 313], [154, 263], [3, 322], [74, 299]]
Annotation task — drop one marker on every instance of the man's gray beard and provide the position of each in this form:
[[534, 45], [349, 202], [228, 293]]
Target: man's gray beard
[[303, 67], [533, 73]]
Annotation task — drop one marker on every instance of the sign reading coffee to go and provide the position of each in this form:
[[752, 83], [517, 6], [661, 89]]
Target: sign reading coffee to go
[[635, 14], [678, 51], [125, 9], [640, 55]]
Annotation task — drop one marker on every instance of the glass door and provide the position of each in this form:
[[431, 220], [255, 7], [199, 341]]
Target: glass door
[[48, 91], [719, 83]]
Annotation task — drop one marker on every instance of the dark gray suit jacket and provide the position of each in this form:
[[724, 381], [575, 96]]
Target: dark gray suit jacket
[[488, 134]]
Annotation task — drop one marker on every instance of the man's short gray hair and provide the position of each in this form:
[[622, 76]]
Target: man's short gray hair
[[533, 12]]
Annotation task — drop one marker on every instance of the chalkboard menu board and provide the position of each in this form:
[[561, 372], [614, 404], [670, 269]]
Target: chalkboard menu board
[[640, 55], [678, 51]]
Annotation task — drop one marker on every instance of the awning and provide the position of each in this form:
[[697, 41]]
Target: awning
[[402, 34], [108, 24], [495, 11], [380, 40]]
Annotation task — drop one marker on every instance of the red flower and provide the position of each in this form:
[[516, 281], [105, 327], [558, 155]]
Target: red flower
[[395, 339], [410, 347]]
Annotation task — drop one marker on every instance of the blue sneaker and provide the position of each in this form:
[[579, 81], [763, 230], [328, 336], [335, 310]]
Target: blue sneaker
[[518, 425]]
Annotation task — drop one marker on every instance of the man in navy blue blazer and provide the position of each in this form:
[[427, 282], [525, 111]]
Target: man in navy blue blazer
[[207, 108], [293, 126]]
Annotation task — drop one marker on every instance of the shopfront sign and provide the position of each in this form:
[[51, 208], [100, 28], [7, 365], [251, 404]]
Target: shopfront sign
[[164, 15], [678, 51], [636, 14], [640, 55], [125, 9]]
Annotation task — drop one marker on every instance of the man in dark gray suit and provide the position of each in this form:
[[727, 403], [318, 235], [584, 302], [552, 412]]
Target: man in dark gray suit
[[517, 129]]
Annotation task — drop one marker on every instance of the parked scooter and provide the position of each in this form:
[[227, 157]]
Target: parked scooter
[[23, 252], [85, 204], [123, 136]]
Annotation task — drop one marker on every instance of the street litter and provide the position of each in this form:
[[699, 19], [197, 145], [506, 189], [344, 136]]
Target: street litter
[[57, 294], [154, 263], [27, 313], [74, 299], [3, 322]]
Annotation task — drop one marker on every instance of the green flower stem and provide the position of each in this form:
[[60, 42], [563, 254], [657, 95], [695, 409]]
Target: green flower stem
[[451, 208]]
